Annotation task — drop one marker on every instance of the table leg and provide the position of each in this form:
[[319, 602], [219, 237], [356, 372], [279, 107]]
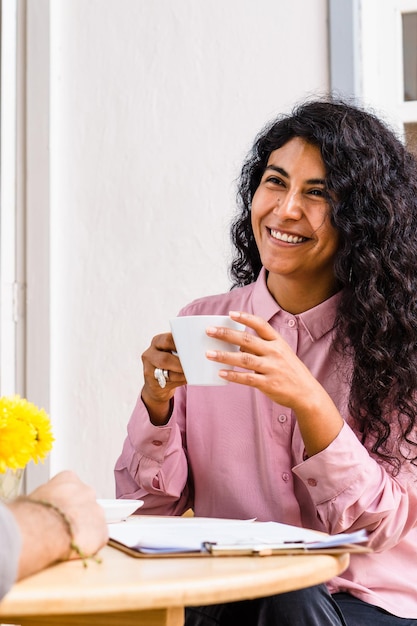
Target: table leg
[[173, 616]]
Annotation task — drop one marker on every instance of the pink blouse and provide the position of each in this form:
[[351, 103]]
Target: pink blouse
[[229, 451]]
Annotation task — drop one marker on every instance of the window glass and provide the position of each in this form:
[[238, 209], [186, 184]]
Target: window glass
[[410, 132], [409, 22]]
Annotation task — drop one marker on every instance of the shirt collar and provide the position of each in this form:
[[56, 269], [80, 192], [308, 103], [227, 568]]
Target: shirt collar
[[316, 321]]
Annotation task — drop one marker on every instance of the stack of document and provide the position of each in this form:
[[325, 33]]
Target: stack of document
[[145, 535]]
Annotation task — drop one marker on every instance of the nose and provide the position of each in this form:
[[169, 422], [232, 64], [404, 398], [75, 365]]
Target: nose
[[289, 205]]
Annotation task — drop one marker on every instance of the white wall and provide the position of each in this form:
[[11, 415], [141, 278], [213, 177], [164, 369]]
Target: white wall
[[153, 107]]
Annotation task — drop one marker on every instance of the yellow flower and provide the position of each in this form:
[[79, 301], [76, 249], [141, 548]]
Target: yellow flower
[[25, 433]]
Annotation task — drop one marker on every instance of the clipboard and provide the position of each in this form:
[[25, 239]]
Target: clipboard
[[213, 550], [153, 537]]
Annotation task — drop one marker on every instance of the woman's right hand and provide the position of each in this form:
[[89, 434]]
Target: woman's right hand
[[157, 399]]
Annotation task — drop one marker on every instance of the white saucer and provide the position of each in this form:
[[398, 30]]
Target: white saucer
[[119, 510]]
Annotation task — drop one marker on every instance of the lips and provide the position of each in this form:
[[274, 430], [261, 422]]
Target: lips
[[288, 238]]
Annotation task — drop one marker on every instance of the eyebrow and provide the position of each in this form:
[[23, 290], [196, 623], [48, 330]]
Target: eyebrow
[[280, 170]]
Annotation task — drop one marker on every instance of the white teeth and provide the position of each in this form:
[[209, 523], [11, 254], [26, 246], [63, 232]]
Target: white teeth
[[288, 238]]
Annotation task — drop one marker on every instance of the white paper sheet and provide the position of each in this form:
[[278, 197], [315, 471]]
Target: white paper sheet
[[192, 534]]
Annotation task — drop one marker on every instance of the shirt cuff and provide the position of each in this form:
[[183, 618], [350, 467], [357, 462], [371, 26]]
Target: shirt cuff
[[146, 438], [330, 472]]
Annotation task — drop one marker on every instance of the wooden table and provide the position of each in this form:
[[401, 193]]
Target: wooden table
[[127, 591]]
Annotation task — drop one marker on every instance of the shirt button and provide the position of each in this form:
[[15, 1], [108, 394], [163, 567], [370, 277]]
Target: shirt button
[[285, 477], [282, 418], [291, 323], [312, 482], [156, 442]]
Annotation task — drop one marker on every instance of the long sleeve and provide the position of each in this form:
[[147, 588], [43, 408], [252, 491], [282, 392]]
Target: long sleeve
[[351, 490], [153, 466], [10, 545]]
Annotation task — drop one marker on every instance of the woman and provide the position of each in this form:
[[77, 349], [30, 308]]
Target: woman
[[317, 427]]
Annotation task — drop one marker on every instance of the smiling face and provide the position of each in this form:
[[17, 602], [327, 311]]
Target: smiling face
[[291, 222]]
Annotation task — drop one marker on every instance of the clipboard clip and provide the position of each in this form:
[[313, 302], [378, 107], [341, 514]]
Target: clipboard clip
[[253, 549]]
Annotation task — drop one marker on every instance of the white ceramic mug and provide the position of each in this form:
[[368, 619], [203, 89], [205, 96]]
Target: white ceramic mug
[[192, 343]]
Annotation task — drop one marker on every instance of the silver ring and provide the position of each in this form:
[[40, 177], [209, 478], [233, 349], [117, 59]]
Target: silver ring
[[161, 376]]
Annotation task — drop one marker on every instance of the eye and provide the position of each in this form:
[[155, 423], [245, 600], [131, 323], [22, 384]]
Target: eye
[[317, 192], [274, 180]]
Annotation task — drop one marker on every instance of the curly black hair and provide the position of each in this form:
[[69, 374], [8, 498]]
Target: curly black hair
[[374, 180]]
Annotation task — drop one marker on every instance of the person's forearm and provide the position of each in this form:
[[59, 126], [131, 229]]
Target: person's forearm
[[318, 419], [45, 537], [159, 412]]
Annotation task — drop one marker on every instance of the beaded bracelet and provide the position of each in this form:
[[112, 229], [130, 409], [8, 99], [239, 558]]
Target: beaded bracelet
[[73, 546]]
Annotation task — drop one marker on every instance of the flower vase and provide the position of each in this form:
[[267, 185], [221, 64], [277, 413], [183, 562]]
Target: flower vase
[[11, 482]]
